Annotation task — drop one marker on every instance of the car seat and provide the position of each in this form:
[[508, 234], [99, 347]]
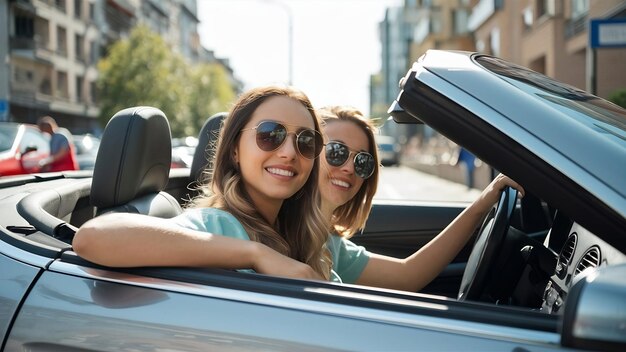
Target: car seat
[[133, 163], [205, 150]]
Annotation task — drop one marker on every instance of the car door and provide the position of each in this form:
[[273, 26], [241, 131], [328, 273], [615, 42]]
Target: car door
[[78, 307], [400, 228]]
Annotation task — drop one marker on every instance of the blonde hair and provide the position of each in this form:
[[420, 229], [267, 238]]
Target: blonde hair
[[349, 218], [301, 231]]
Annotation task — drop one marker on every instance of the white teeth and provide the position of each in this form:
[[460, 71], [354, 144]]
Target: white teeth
[[280, 172], [339, 183]]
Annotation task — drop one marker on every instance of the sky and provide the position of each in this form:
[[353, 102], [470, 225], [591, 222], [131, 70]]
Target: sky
[[335, 46]]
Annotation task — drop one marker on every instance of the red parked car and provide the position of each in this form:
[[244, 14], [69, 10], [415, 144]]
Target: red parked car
[[21, 148]]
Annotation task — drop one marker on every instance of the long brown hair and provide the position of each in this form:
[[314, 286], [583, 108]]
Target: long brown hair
[[351, 217], [301, 231]]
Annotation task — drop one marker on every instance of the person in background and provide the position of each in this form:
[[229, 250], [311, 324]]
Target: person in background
[[62, 155], [348, 181], [467, 158]]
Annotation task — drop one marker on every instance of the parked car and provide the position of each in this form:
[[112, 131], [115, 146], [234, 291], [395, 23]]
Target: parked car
[[86, 147], [388, 150], [183, 150], [546, 272], [21, 148]]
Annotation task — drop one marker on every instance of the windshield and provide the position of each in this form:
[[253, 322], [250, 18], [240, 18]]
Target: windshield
[[597, 114], [7, 136]]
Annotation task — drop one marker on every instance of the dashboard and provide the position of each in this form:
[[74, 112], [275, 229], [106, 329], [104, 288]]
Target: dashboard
[[579, 251]]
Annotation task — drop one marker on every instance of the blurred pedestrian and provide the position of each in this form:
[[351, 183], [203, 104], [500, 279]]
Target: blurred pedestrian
[[469, 160], [62, 155]]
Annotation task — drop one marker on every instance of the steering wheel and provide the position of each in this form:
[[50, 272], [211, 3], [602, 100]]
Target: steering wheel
[[488, 243]]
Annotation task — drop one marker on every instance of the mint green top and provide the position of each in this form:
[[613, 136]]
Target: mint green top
[[349, 260]]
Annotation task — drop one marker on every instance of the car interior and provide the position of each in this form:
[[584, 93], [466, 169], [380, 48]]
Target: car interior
[[526, 254]]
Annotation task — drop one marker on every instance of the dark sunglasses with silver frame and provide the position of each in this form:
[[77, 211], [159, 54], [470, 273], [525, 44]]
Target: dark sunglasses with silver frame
[[338, 154], [270, 135]]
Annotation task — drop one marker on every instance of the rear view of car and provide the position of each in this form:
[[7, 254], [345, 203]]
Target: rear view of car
[[21, 148], [388, 150]]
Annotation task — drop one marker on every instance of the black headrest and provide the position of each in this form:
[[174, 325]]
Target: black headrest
[[207, 141], [134, 157]]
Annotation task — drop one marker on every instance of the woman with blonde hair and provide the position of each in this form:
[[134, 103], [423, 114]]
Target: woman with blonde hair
[[347, 183]]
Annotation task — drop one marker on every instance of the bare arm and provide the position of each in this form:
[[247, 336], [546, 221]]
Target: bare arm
[[132, 240], [416, 271]]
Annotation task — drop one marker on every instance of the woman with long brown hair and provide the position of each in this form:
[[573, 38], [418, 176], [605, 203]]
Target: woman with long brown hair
[[260, 211]]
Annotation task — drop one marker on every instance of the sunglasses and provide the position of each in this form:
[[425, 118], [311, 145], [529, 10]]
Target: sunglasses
[[270, 135], [338, 154]]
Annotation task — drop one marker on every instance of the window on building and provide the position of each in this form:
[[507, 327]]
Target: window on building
[[78, 8], [460, 18], [60, 4], [78, 44], [42, 33], [61, 41], [527, 18], [92, 11], [93, 92], [61, 88], [21, 75], [580, 8], [93, 52], [541, 8], [545, 8], [45, 85], [24, 27], [436, 23], [79, 89]]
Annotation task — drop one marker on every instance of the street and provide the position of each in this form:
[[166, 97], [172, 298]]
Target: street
[[401, 182]]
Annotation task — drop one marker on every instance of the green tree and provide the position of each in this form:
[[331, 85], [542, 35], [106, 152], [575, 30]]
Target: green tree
[[211, 92], [619, 97], [142, 70]]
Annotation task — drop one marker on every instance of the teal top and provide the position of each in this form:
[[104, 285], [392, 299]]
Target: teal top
[[349, 260]]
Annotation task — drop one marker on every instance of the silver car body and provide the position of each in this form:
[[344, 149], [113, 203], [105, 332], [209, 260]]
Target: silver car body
[[53, 300]]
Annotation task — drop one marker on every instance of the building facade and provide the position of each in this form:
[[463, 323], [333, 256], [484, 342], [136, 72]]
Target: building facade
[[52, 48], [552, 37], [547, 36], [52, 52]]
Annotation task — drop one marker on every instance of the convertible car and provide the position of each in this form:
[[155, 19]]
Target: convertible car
[[545, 272]]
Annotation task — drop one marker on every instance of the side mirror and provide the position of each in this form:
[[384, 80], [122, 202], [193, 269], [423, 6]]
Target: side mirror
[[595, 313]]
